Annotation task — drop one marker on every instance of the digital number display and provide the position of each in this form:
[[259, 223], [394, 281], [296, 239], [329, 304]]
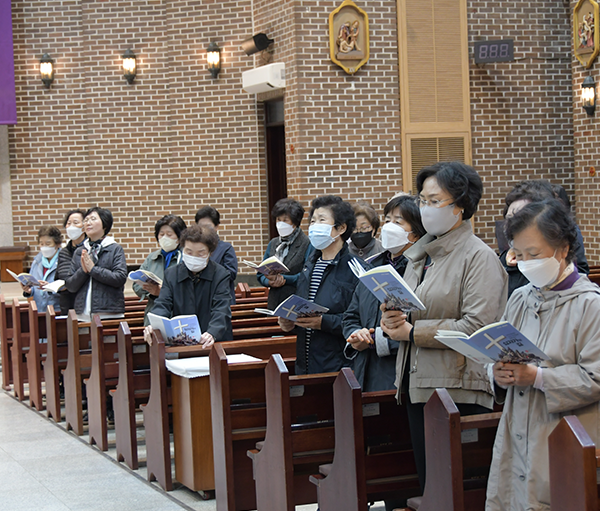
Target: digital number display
[[494, 51]]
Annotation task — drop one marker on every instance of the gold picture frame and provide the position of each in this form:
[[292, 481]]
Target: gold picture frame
[[586, 37], [349, 37]]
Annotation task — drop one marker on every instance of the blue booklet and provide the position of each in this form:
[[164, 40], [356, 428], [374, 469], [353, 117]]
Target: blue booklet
[[388, 286], [270, 266], [144, 276], [498, 342], [295, 307], [177, 331]]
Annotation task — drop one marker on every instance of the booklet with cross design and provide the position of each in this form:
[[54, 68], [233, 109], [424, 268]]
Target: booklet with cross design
[[270, 266], [295, 307], [498, 342], [388, 286], [177, 331]]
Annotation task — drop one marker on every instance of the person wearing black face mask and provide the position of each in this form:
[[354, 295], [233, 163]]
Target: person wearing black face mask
[[362, 242]]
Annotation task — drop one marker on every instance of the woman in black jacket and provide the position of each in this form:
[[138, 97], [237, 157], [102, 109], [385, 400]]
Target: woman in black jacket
[[290, 247], [373, 355], [197, 286], [98, 270], [327, 280], [73, 223]]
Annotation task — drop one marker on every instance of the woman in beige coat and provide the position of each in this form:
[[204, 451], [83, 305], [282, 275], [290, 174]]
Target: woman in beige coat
[[463, 286], [559, 310]]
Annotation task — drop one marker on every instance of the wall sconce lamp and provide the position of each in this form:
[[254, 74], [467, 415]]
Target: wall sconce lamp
[[588, 95], [47, 70], [213, 59], [256, 43], [129, 66]]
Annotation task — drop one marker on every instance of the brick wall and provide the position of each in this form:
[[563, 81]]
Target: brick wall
[[177, 139], [521, 112], [587, 153]]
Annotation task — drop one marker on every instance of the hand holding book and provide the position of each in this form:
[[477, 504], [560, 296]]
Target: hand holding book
[[522, 375]]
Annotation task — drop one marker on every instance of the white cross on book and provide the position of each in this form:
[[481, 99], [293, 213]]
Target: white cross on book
[[180, 327], [289, 311], [494, 342], [380, 287]]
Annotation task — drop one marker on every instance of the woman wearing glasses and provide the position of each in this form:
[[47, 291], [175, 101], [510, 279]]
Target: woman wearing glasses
[[362, 242], [463, 287], [197, 286]]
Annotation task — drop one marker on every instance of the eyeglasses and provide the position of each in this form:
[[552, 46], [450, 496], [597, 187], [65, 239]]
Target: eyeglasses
[[90, 219], [364, 229], [434, 203]]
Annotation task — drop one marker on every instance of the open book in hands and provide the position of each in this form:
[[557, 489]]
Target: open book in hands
[[270, 266], [29, 280], [144, 276], [295, 307], [498, 342], [388, 286], [177, 331]]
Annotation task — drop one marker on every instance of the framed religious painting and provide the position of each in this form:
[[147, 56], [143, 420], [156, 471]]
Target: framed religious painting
[[586, 41], [349, 37]]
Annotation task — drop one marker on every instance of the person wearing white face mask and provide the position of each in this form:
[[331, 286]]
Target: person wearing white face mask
[[197, 285], [167, 231], [73, 223], [326, 279], [373, 354], [291, 247], [463, 286], [559, 311], [44, 267]]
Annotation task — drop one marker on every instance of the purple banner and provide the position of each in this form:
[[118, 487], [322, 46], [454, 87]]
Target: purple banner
[[8, 98]]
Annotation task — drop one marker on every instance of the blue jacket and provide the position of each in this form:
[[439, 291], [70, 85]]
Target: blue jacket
[[326, 351], [44, 298]]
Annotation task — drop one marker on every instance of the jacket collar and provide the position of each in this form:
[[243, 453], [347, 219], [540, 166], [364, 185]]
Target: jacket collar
[[108, 240], [417, 251], [207, 274], [446, 243], [317, 253], [546, 298]]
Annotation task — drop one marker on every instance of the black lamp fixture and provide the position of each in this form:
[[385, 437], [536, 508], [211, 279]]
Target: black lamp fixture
[[213, 59], [257, 43], [588, 95], [129, 66], [47, 70]]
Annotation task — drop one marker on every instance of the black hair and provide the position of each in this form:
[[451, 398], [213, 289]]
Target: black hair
[[197, 234], [73, 212], [208, 212], [410, 212], [174, 222], [552, 220], [461, 181], [291, 208], [561, 194], [52, 232], [105, 217], [534, 190], [340, 209], [366, 210]]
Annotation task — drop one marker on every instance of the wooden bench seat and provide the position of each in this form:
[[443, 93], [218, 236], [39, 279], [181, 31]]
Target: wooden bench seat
[[458, 456], [574, 461], [56, 361], [375, 459], [299, 437]]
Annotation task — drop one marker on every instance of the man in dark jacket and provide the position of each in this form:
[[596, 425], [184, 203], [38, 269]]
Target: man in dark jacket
[[199, 286]]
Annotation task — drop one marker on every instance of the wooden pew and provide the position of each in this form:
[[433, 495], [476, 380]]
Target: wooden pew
[[238, 404], [132, 390], [156, 412], [56, 361], [19, 347], [35, 355], [104, 373], [457, 471], [299, 437], [373, 459], [574, 460], [6, 333]]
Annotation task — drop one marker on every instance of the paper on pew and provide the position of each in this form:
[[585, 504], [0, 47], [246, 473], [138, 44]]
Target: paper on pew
[[198, 366]]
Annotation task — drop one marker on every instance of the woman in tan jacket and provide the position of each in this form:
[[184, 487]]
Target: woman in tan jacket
[[463, 287]]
